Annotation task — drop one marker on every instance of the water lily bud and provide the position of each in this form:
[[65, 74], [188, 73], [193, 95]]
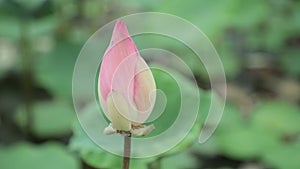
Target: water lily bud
[[126, 86]]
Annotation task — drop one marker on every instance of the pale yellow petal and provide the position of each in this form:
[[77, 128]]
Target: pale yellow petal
[[117, 107], [143, 131], [109, 130]]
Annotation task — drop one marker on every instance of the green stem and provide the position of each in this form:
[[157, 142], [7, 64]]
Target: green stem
[[126, 155], [27, 73]]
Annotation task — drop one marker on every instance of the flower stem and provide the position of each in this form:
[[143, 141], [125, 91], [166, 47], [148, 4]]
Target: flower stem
[[27, 64], [126, 155]]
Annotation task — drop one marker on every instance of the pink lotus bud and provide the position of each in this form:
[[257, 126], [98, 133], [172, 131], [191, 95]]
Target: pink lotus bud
[[126, 86]]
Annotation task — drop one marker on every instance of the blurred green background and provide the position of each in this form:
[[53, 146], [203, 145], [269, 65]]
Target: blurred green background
[[259, 45]]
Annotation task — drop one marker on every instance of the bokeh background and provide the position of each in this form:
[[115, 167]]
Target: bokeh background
[[259, 45]]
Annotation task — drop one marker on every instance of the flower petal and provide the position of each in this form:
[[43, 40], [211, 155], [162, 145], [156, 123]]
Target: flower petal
[[109, 130], [118, 65], [118, 121], [121, 47], [143, 131], [144, 90]]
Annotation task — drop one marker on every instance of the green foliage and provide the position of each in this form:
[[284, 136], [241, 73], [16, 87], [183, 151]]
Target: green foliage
[[284, 156], [46, 156], [43, 26], [278, 118], [260, 136], [180, 160], [9, 27], [246, 143], [290, 62], [49, 119], [54, 70]]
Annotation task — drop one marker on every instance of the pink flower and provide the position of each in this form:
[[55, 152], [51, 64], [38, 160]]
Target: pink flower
[[126, 86]]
